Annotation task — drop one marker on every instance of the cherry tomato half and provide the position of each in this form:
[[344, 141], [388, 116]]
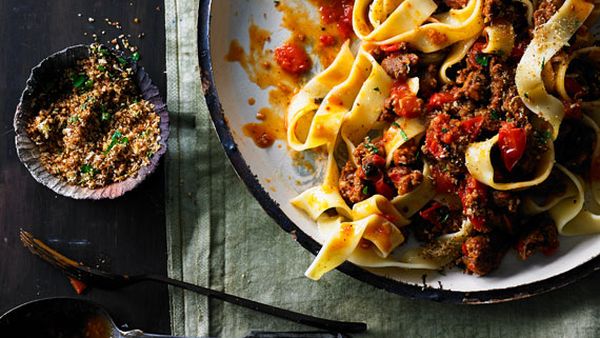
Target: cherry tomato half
[[512, 141]]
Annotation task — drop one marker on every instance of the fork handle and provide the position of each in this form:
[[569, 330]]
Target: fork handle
[[321, 323]]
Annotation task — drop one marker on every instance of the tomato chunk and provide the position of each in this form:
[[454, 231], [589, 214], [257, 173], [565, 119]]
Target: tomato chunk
[[437, 100], [474, 197], [434, 214], [340, 13], [292, 58], [472, 126], [443, 181], [512, 141], [394, 47], [383, 188], [404, 101]]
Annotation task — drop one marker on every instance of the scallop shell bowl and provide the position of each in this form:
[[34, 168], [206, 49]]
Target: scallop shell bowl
[[29, 153]]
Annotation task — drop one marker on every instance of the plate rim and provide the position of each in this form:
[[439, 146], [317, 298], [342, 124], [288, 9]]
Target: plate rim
[[274, 211]]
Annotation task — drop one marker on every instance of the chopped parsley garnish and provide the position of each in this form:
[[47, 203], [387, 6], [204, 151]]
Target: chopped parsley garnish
[[542, 137], [87, 169], [104, 114], [444, 130], [445, 217], [101, 68], [117, 138], [89, 83], [395, 124], [135, 56], [365, 190], [79, 80], [122, 60], [482, 60], [494, 115], [73, 119], [526, 95], [371, 148], [377, 89], [403, 134], [543, 64]]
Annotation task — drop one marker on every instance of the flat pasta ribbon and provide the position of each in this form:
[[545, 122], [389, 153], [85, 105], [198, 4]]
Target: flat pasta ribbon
[[344, 239], [406, 24], [548, 39], [500, 39], [400, 132], [330, 87], [591, 52], [479, 164], [457, 53]]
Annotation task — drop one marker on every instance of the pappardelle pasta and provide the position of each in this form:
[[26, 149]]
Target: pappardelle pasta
[[470, 125]]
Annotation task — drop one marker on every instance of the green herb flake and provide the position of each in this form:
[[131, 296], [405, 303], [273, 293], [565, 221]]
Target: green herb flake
[[104, 114], [73, 119], [89, 84], [377, 89], [444, 130], [395, 124], [482, 60], [122, 60], [494, 115], [87, 169], [403, 134], [445, 217], [79, 80], [365, 190], [543, 64], [135, 56], [117, 138], [526, 95], [101, 68], [371, 148]]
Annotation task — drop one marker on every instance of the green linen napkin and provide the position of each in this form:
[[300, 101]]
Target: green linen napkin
[[218, 236]]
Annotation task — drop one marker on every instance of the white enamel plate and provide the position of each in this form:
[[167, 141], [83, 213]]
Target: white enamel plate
[[274, 178]]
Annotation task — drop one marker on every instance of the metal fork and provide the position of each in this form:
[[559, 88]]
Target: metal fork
[[106, 280]]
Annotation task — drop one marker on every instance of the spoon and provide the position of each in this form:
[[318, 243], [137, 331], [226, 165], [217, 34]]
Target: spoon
[[64, 318]]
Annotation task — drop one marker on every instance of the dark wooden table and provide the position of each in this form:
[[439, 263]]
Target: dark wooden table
[[125, 235]]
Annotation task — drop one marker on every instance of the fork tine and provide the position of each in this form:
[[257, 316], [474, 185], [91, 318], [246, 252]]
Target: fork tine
[[40, 249], [70, 267]]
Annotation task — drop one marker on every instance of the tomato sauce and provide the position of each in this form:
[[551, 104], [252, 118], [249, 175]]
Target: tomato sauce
[[270, 128], [293, 58], [338, 12]]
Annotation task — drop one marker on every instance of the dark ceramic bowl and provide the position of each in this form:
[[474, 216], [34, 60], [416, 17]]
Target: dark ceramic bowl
[[29, 153]]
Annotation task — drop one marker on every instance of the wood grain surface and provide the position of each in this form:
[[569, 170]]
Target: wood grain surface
[[125, 235]]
